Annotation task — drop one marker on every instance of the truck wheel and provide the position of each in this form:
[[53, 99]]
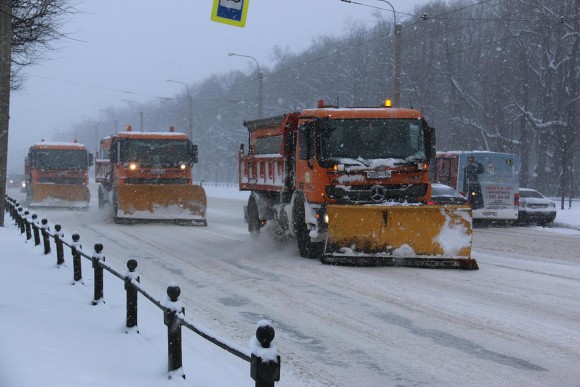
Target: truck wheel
[[306, 247], [102, 200], [253, 217], [115, 205]]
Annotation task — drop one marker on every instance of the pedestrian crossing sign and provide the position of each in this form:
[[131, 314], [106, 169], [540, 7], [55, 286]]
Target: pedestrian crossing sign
[[232, 12]]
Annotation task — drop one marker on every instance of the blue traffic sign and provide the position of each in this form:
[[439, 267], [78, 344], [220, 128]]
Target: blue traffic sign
[[231, 12]]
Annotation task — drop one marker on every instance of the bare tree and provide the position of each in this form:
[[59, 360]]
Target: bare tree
[[36, 25]]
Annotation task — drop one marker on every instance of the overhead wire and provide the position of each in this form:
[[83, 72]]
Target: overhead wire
[[99, 87]]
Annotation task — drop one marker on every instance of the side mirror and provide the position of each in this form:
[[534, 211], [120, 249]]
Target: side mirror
[[194, 154], [91, 159], [304, 134], [290, 143], [115, 155], [430, 141]]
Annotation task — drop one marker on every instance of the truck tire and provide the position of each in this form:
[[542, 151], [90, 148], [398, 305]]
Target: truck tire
[[102, 199], [115, 206], [253, 217], [306, 247]]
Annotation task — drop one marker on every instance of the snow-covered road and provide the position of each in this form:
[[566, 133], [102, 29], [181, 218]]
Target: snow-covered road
[[514, 322]]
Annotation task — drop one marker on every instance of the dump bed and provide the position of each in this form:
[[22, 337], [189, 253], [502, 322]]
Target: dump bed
[[268, 165]]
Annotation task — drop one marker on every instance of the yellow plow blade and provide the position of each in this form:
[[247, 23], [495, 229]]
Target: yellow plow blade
[[172, 202], [402, 235], [60, 195]]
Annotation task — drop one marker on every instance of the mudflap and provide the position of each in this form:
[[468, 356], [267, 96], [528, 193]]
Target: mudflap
[[400, 235], [175, 203], [60, 195]]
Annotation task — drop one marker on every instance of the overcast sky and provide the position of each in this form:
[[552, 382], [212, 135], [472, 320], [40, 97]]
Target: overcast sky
[[126, 50]]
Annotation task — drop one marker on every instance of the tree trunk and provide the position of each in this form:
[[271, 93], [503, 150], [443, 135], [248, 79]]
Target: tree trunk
[[5, 56]]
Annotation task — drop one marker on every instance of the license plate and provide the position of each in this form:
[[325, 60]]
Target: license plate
[[379, 174]]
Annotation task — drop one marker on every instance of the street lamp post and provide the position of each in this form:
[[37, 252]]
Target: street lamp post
[[260, 83], [190, 102], [398, 30], [140, 113], [97, 138], [398, 49]]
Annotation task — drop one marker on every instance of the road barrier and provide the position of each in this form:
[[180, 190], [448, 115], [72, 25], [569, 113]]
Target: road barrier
[[263, 359]]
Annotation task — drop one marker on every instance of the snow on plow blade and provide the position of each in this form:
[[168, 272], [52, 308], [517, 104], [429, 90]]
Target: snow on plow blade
[[412, 235], [178, 203], [60, 195]]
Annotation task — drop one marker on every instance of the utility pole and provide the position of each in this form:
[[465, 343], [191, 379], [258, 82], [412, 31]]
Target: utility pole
[[5, 59], [140, 112], [397, 80], [398, 49], [190, 106], [260, 83], [398, 44]]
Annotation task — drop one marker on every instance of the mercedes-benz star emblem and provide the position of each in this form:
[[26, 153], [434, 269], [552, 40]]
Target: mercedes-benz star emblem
[[377, 193]]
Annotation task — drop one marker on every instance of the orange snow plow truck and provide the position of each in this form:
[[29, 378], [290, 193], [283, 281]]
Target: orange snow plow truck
[[352, 185], [57, 175], [146, 176]]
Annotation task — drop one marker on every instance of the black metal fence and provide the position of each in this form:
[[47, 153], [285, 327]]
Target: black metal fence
[[264, 371]]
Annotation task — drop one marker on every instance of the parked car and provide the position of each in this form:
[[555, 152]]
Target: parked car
[[442, 194], [535, 208]]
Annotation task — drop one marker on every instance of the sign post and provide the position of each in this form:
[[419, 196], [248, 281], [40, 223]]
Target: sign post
[[232, 12]]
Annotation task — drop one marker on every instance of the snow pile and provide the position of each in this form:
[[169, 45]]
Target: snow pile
[[269, 353], [454, 235], [60, 203]]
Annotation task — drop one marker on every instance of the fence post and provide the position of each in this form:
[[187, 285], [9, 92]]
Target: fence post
[[45, 236], [173, 307], [14, 212], [35, 230], [27, 225], [20, 220], [131, 323], [76, 256], [59, 245], [98, 276], [12, 208], [265, 361]]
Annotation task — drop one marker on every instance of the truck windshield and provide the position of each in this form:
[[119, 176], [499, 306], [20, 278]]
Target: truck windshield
[[61, 159], [372, 139], [156, 152]]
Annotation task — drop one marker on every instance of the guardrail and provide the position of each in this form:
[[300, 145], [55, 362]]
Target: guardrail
[[263, 358]]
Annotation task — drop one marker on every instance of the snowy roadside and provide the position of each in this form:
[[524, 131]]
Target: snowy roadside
[[569, 217], [50, 334]]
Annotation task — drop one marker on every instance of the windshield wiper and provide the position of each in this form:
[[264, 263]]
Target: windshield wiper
[[364, 162]]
